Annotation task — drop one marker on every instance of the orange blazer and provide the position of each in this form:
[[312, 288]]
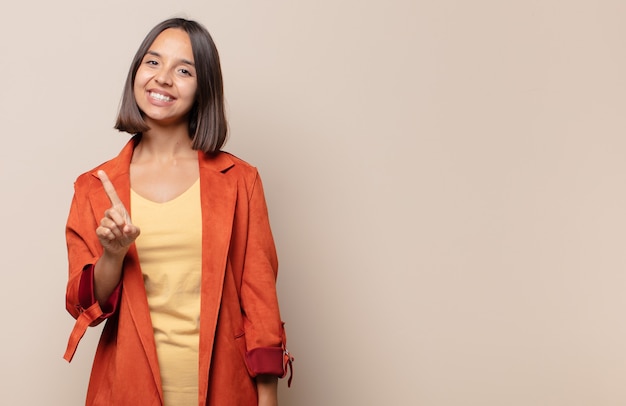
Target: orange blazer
[[241, 332]]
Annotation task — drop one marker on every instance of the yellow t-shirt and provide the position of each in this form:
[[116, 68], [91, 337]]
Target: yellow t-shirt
[[170, 254]]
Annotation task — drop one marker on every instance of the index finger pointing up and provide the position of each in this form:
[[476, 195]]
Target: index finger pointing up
[[109, 189]]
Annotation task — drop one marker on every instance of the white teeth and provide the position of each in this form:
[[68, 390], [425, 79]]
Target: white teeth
[[160, 97]]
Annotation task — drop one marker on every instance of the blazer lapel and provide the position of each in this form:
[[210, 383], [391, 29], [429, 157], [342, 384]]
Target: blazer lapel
[[219, 195], [133, 289]]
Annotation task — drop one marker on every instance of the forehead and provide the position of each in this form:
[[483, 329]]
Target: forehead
[[173, 42]]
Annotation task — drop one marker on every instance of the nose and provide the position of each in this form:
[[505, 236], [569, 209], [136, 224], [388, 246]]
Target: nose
[[163, 77]]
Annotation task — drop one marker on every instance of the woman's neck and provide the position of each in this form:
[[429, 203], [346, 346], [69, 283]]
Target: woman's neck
[[163, 144]]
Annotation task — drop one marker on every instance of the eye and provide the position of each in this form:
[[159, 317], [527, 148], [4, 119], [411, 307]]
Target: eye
[[151, 62], [185, 72]]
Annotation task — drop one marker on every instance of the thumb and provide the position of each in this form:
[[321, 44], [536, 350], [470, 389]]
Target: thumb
[[131, 231]]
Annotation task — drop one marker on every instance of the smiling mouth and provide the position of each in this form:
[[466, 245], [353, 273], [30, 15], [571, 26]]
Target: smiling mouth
[[160, 97]]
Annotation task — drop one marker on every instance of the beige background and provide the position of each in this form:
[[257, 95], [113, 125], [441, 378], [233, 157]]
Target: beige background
[[446, 182]]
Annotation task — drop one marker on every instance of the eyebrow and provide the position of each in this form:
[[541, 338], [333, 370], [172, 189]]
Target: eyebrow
[[185, 61]]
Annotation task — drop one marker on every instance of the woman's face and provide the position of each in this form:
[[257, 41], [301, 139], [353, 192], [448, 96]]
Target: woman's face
[[165, 83]]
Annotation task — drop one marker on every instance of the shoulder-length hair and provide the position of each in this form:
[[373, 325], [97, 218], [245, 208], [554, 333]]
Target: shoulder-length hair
[[208, 126]]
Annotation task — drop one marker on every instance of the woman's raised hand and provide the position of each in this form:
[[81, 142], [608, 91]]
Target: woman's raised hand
[[116, 232]]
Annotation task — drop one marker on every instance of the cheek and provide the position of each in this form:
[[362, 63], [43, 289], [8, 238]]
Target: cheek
[[141, 78], [139, 85], [191, 90], [138, 93]]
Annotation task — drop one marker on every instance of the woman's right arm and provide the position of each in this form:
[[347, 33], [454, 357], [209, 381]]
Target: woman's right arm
[[96, 251], [95, 255]]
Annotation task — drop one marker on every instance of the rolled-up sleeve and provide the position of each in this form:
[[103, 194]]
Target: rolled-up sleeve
[[264, 330], [83, 252]]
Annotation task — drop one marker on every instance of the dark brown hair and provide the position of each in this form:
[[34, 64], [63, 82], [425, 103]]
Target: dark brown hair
[[207, 119]]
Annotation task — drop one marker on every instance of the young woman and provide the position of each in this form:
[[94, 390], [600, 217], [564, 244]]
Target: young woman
[[170, 243]]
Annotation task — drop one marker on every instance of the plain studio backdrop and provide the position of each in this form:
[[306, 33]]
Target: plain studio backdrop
[[446, 182]]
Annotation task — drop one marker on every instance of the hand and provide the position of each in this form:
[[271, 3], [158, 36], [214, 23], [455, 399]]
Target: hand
[[116, 232]]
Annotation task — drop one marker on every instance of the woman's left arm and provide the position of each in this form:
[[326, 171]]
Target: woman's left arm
[[264, 331]]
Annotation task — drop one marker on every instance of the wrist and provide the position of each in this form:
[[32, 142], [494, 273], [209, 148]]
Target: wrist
[[267, 389]]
